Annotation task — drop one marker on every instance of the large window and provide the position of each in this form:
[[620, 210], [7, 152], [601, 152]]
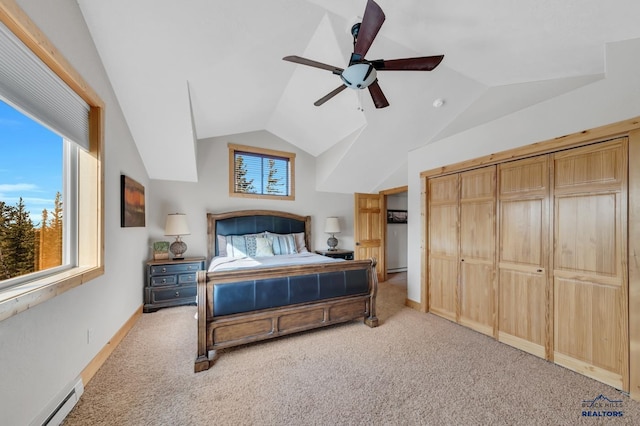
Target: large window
[[261, 173], [34, 218], [51, 189]]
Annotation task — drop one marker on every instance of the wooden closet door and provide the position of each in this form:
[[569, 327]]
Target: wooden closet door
[[523, 255], [590, 278], [442, 200], [477, 249]]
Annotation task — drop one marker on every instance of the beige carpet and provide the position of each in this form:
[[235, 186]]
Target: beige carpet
[[414, 369]]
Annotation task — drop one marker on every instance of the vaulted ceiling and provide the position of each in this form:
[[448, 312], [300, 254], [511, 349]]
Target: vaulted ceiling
[[195, 69]]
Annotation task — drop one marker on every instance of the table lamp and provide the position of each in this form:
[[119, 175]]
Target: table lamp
[[176, 225]]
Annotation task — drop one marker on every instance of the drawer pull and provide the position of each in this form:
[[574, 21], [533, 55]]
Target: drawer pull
[[164, 281], [177, 294], [539, 270], [164, 269]]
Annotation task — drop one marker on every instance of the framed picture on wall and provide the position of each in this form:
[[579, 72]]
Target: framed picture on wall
[[132, 212], [396, 216]]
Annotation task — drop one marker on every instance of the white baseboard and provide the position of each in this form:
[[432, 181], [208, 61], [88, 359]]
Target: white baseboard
[[56, 411]]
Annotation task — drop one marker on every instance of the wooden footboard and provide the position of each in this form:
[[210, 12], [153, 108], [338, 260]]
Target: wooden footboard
[[216, 332]]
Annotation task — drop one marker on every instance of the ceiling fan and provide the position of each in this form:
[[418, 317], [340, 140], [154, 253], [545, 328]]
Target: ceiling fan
[[361, 73]]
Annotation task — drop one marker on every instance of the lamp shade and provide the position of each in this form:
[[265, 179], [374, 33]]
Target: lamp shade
[[176, 224], [331, 225]]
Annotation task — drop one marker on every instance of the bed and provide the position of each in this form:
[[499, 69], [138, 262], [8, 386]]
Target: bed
[[248, 295]]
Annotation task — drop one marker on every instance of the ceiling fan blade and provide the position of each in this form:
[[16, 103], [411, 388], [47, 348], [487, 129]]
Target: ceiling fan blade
[[425, 63], [316, 64], [329, 95], [378, 97], [371, 22]]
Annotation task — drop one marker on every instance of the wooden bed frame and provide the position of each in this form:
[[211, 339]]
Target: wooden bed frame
[[217, 332]]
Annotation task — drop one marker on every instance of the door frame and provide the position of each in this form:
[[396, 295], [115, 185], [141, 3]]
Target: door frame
[[383, 219], [384, 194]]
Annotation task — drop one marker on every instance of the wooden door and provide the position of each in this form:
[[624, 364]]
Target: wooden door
[[476, 304], [589, 275], [523, 255], [443, 258], [369, 222]]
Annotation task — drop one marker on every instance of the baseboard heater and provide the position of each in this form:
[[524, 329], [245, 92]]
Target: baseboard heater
[[60, 406]]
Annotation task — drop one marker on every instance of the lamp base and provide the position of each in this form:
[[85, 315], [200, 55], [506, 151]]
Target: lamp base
[[332, 242], [177, 248]]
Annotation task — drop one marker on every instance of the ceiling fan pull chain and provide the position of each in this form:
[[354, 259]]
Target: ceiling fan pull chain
[[359, 97]]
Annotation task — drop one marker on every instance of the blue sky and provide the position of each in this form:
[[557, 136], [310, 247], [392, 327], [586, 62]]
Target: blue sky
[[30, 162]]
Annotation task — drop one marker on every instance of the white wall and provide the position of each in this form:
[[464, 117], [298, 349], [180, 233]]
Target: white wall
[[615, 98], [211, 194], [397, 235], [45, 348]]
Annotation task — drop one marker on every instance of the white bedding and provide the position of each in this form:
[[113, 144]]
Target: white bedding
[[220, 263]]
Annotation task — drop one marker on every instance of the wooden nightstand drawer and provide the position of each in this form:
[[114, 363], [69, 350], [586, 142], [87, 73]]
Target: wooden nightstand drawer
[[164, 280], [174, 294], [187, 278], [175, 269]]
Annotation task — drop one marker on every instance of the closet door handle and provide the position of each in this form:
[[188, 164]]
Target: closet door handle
[[461, 260], [539, 270]]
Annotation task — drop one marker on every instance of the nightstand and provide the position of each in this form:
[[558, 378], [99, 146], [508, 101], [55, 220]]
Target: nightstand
[[171, 283], [338, 253]]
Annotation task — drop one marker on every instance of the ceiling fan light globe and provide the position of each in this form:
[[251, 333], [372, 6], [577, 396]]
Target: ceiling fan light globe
[[359, 76]]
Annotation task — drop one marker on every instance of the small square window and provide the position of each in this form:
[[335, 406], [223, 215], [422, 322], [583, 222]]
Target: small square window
[[261, 173]]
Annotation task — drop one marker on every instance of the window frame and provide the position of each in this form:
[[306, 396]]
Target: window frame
[[263, 152], [90, 188]]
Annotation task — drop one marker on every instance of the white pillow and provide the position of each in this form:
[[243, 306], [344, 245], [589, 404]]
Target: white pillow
[[301, 245], [222, 245], [263, 247]]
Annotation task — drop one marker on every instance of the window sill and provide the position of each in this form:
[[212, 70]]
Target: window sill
[[19, 298]]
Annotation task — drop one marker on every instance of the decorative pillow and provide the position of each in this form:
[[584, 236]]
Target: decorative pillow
[[250, 241], [222, 245], [263, 247], [301, 245], [282, 243], [238, 245]]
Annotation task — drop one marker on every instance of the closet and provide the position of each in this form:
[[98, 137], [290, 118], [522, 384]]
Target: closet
[[534, 253], [461, 247], [523, 255]]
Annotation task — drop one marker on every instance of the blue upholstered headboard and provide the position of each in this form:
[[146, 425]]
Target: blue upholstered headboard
[[252, 222]]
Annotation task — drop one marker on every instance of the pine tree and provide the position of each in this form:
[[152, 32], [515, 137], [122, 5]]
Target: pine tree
[[56, 230], [242, 184], [5, 217], [43, 240], [273, 182], [20, 242]]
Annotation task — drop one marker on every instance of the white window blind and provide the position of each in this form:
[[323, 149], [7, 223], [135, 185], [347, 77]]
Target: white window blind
[[27, 84]]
